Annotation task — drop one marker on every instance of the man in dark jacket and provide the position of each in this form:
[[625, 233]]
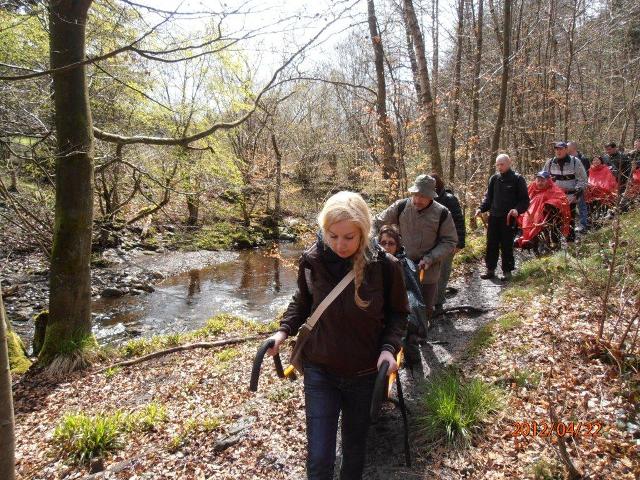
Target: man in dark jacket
[[620, 163], [505, 199], [448, 199]]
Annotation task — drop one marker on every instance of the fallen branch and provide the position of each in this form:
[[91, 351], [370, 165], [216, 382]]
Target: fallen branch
[[465, 309], [181, 348]]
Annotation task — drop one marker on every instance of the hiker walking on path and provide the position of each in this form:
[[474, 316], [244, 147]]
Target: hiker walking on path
[[448, 199], [390, 239], [506, 198], [583, 209], [428, 233], [620, 164], [361, 328], [570, 176]]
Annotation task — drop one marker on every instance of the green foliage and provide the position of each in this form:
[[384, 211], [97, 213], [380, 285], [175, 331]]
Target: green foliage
[[453, 407], [192, 427], [482, 339], [544, 470], [81, 438], [148, 418], [509, 320], [18, 360], [226, 235], [111, 372], [475, 248], [218, 325], [226, 355], [526, 378], [282, 394]]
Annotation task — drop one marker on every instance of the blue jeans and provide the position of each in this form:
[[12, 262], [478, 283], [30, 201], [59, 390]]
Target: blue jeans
[[584, 212], [326, 395]]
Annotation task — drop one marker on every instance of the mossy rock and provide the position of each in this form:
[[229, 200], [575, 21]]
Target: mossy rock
[[18, 360]]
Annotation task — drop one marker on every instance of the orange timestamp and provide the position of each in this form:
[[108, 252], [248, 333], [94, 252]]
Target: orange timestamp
[[533, 428]]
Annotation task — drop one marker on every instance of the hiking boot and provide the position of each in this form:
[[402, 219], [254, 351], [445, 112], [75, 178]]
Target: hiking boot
[[488, 274], [506, 276]]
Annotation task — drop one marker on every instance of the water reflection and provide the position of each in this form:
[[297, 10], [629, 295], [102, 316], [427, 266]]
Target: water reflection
[[257, 285]]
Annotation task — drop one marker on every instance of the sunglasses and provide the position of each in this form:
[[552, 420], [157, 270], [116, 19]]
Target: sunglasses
[[389, 243]]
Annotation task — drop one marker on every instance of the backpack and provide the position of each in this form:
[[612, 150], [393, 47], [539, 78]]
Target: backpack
[[443, 214]]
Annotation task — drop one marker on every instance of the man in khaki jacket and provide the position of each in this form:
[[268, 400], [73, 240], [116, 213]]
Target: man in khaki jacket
[[428, 233]]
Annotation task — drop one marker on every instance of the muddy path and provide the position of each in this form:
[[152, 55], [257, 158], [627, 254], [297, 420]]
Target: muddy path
[[447, 343]]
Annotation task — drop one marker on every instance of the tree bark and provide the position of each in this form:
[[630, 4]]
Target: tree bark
[[456, 93], [7, 437], [69, 327], [429, 120], [435, 36], [389, 168], [506, 52], [277, 207], [477, 64]]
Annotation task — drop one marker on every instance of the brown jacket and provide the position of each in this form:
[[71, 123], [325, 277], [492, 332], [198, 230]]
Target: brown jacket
[[347, 340]]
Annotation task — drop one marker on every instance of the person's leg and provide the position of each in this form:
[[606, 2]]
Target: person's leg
[[493, 242], [356, 404], [572, 233], [584, 213], [507, 235], [445, 274], [322, 406]]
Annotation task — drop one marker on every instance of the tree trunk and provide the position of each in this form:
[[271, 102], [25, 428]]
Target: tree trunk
[[69, 327], [7, 437], [567, 87], [193, 207], [429, 120], [277, 207], [456, 93], [435, 36], [389, 169], [506, 52], [477, 64]]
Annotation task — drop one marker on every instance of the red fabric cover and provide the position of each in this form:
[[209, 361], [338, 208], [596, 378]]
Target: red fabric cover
[[602, 187], [533, 220], [633, 190]]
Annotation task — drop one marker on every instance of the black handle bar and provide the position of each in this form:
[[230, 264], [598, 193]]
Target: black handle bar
[[257, 364], [379, 391]]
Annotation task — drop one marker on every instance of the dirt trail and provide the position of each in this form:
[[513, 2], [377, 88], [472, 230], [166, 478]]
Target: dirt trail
[[447, 341]]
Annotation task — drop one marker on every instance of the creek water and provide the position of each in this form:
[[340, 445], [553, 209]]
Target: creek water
[[255, 284]]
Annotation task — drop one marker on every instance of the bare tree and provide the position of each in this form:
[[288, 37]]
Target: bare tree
[[429, 120], [504, 84], [389, 169], [456, 92]]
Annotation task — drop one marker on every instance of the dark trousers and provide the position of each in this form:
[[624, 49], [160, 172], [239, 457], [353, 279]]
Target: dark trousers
[[500, 243], [326, 395]]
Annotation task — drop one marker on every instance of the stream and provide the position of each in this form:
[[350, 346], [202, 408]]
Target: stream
[[255, 284]]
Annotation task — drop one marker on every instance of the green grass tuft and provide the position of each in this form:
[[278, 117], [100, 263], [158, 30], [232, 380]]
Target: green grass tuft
[[82, 438], [453, 408]]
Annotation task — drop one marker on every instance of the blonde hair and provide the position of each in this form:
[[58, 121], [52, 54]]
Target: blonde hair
[[352, 207]]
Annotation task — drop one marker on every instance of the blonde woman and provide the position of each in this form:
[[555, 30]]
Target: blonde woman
[[359, 330]]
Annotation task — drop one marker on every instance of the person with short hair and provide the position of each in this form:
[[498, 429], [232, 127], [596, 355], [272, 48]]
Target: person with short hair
[[390, 239], [428, 233], [569, 174], [506, 198], [362, 328], [619, 163]]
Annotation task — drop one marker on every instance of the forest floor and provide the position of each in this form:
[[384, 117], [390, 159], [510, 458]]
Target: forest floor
[[535, 343]]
